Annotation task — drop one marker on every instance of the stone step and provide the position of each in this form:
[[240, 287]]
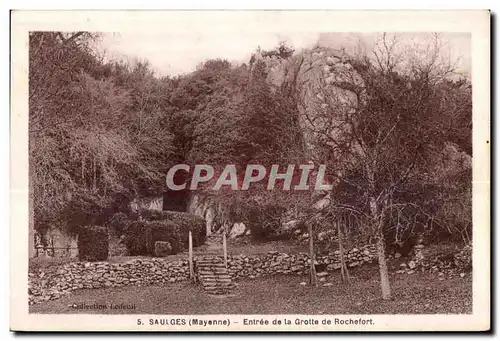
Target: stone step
[[220, 271], [208, 253], [218, 291], [225, 284], [213, 275], [212, 272], [210, 268], [210, 265], [224, 290], [208, 280], [212, 282], [205, 274]]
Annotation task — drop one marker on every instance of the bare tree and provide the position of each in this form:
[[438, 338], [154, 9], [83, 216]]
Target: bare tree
[[375, 118]]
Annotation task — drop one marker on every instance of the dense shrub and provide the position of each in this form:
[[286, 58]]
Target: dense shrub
[[186, 222], [141, 236], [93, 243], [172, 227], [119, 221], [189, 222], [265, 221]]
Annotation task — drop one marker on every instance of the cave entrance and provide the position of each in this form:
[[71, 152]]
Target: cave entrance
[[177, 201]]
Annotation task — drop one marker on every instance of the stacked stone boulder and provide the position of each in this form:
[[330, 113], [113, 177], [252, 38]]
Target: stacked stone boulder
[[451, 264]]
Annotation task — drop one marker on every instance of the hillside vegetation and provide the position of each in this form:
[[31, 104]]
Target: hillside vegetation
[[393, 127]]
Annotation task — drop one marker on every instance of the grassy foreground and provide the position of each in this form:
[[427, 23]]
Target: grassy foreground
[[412, 294]]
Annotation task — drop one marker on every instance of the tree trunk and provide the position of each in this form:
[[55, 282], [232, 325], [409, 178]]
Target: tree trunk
[[312, 279], [382, 264], [377, 220]]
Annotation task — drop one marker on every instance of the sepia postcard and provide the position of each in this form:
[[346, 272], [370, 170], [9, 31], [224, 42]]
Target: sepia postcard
[[250, 171]]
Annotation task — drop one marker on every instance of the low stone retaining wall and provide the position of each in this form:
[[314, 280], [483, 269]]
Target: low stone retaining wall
[[297, 264], [53, 282]]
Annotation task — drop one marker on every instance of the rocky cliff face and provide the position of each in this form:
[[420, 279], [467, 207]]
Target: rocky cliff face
[[314, 76], [325, 83], [322, 78]]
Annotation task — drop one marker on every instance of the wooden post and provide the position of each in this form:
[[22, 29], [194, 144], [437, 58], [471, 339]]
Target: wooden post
[[313, 280], [52, 246], [191, 265], [224, 247], [343, 266]]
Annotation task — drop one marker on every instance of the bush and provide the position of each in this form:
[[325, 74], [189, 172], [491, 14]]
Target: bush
[[141, 237], [265, 221], [93, 243], [119, 221], [189, 222], [186, 222], [165, 226]]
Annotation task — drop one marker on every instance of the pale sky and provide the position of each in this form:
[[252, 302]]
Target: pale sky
[[178, 52]]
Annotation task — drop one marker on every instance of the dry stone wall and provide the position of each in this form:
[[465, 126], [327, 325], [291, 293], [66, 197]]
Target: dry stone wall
[[297, 264], [53, 282], [56, 281]]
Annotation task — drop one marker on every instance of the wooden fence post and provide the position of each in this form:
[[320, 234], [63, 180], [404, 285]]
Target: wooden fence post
[[52, 246], [224, 246], [312, 276], [191, 267]]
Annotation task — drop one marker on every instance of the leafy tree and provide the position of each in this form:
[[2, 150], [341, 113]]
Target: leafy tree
[[90, 138]]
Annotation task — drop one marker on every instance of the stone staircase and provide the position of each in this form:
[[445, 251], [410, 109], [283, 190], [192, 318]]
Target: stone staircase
[[212, 274]]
